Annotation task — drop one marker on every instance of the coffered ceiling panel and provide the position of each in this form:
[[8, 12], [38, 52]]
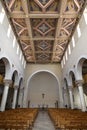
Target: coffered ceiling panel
[[44, 46], [44, 27]]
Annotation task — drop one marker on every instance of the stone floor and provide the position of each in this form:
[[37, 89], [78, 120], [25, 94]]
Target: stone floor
[[43, 122]]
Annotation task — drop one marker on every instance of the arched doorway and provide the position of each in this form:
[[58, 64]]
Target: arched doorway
[[43, 90]]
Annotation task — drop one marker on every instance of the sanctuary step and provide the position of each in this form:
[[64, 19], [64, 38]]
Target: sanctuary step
[[43, 122]]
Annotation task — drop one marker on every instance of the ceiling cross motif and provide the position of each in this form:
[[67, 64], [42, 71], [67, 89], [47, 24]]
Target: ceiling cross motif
[[43, 57], [43, 45], [43, 4], [44, 28]]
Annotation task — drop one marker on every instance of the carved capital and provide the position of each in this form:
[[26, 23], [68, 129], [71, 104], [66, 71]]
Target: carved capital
[[70, 88], [21, 90], [16, 87], [64, 90], [79, 83], [7, 82]]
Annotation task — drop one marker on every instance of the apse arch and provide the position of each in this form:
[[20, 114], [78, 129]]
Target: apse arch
[[51, 75]]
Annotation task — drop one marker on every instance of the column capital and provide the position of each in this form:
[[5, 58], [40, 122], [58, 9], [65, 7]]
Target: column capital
[[16, 87], [21, 90], [79, 83], [64, 91], [7, 81], [70, 88]]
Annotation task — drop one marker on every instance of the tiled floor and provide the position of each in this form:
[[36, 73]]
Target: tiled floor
[[43, 122]]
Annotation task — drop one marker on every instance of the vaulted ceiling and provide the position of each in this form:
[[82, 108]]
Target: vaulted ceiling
[[44, 27]]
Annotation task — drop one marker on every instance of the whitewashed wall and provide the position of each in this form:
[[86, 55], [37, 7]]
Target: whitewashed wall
[[75, 53], [9, 45]]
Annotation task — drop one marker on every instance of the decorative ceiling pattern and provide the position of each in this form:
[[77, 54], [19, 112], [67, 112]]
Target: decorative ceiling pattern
[[44, 27]]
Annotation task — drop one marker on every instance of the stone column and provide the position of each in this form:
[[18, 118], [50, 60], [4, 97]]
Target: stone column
[[15, 96], [65, 97], [20, 99], [23, 96], [82, 99], [5, 94], [71, 98]]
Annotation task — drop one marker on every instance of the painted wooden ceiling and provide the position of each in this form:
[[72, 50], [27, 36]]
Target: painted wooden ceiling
[[44, 27]]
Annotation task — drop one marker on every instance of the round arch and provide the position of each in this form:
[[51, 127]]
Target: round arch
[[7, 67], [43, 71], [79, 67], [46, 72], [15, 77], [71, 75]]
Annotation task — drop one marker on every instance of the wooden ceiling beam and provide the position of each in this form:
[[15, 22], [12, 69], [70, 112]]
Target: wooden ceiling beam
[[11, 3], [21, 14], [49, 52], [27, 20], [43, 38], [26, 38], [59, 43], [44, 52], [59, 23], [35, 39], [43, 61]]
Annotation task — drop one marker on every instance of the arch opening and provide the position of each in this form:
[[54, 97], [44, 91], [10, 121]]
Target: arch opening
[[72, 79], [43, 90]]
